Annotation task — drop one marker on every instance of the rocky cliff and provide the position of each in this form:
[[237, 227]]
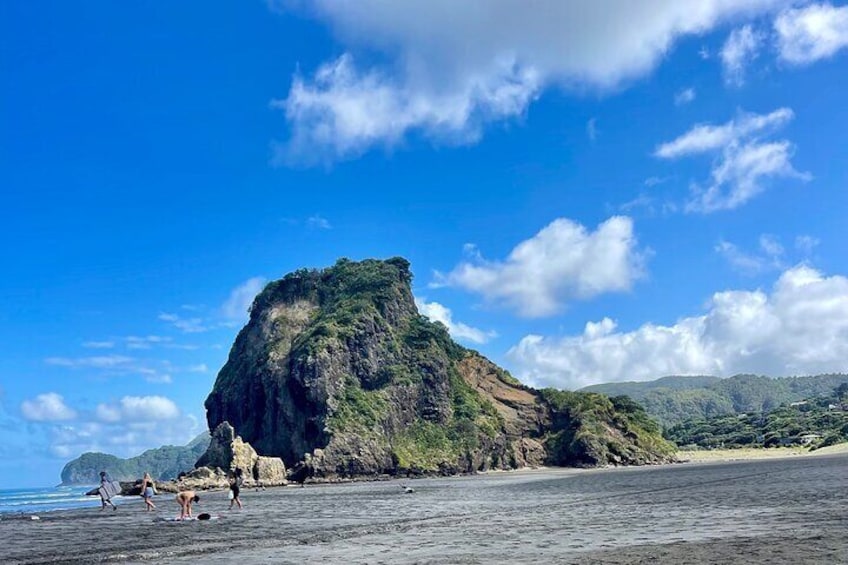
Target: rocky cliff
[[338, 374]]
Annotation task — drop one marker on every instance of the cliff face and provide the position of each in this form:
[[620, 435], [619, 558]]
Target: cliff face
[[337, 368]]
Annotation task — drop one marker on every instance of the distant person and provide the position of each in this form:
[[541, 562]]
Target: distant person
[[106, 491], [235, 488], [148, 490], [184, 499], [257, 482]]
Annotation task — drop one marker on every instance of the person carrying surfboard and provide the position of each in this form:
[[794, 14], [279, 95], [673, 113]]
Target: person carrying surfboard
[[107, 490]]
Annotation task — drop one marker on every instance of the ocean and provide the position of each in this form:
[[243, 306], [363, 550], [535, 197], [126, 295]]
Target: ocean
[[46, 499]]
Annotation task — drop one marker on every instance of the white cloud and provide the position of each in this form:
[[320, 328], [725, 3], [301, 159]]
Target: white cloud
[[186, 325], [806, 243], [138, 409], [592, 129], [111, 434], [744, 158], [801, 327], [318, 222], [439, 313], [685, 96], [703, 138], [769, 256], [47, 407], [236, 306], [99, 344], [96, 362], [771, 246], [811, 33], [562, 262], [118, 365], [446, 71], [201, 368], [744, 262], [740, 49], [145, 342]]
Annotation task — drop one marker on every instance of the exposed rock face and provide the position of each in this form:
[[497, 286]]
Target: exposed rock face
[[228, 451], [338, 374], [270, 471]]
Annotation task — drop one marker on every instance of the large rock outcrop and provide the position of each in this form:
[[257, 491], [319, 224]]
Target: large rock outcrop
[[338, 374], [228, 452]]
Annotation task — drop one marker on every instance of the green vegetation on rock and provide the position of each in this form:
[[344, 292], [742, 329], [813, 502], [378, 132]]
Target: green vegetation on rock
[[336, 370], [591, 428]]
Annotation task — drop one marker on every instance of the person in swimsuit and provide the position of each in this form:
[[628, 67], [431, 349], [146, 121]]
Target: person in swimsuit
[[235, 488], [148, 489], [184, 499]]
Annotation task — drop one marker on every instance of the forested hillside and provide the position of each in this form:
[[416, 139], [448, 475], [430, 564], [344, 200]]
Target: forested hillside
[[817, 422], [673, 400]]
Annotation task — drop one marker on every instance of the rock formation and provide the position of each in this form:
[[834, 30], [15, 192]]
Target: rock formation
[[338, 374], [227, 452]]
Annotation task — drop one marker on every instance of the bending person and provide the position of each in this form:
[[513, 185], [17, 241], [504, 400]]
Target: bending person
[[184, 499]]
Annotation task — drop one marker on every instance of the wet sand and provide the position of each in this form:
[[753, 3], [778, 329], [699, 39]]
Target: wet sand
[[768, 511]]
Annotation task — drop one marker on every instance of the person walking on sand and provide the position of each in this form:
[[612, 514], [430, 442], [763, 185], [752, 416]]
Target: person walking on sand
[[235, 488], [148, 489], [106, 491], [184, 499]]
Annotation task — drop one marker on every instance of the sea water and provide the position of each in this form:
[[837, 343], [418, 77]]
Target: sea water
[[46, 499]]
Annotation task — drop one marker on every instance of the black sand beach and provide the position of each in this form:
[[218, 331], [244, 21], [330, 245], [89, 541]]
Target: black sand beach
[[768, 511]]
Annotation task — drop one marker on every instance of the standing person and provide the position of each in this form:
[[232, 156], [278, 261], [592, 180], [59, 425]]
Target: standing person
[[148, 489], [184, 499], [235, 488], [106, 491]]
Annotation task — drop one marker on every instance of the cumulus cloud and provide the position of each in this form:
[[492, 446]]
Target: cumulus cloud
[[463, 332], [138, 409], [684, 97], [744, 158], [800, 327], [563, 262], [47, 407], [742, 47], [109, 433], [446, 71], [811, 33], [236, 306]]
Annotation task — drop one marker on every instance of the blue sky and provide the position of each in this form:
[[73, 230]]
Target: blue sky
[[586, 194]]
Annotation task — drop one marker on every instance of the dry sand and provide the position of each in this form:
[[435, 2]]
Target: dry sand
[[750, 453], [790, 510]]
